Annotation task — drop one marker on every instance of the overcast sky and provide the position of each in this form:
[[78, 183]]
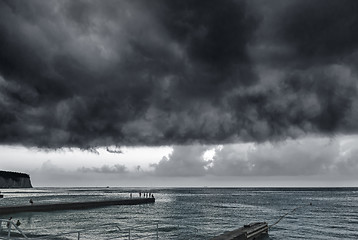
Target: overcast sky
[[179, 92]]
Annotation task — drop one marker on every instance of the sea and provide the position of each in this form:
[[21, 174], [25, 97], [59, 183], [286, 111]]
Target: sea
[[187, 213]]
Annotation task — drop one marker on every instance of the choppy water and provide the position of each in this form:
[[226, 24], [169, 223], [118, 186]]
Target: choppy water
[[191, 213]]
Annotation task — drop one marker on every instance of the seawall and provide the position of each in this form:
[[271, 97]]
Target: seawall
[[14, 180], [73, 205]]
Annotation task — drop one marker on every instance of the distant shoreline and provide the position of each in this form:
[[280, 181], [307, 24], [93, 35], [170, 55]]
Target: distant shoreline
[[14, 180]]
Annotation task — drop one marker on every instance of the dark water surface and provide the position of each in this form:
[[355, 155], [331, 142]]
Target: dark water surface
[[191, 213]]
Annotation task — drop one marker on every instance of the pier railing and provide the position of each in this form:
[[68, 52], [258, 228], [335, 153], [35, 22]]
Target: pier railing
[[156, 230], [8, 229]]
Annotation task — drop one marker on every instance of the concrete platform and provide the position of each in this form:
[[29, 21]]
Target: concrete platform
[[73, 205], [251, 231]]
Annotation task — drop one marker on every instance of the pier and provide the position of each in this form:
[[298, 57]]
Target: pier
[[73, 205], [247, 232]]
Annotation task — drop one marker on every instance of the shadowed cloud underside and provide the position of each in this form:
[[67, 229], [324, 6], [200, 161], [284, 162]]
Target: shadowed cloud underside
[[98, 73]]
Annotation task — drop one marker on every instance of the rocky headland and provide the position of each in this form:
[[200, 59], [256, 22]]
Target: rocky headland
[[14, 180]]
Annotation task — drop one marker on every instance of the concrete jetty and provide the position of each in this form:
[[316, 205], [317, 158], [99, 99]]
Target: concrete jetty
[[73, 205], [251, 231]]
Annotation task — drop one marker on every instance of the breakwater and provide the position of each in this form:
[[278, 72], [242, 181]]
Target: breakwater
[[73, 205]]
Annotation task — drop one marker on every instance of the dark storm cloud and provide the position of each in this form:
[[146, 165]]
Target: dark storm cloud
[[324, 31], [114, 150], [305, 54], [96, 73]]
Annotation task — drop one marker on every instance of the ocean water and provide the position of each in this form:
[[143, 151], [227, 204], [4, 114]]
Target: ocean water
[[190, 213]]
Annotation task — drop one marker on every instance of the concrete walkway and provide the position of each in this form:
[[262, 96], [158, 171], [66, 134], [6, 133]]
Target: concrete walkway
[[73, 205]]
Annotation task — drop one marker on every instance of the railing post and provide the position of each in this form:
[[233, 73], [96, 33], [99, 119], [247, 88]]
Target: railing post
[[129, 234], [8, 230], [78, 235], [157, 231]]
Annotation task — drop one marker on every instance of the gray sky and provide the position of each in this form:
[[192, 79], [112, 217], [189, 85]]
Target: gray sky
[[222, 93]]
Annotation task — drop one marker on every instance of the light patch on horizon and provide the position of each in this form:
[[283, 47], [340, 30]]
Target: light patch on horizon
[[314, 158], [17, 158]]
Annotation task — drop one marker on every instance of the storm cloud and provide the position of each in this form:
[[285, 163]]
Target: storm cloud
[[99, 73]]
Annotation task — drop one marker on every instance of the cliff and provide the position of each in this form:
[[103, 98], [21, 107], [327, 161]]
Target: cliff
[[14, 180]]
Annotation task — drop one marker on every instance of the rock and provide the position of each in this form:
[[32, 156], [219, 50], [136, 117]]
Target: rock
[[14, 180]]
